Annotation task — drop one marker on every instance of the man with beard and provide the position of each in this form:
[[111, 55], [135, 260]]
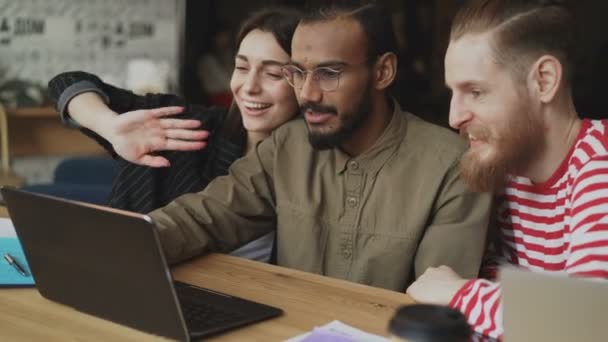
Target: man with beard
[[359, 189], [509, 66]]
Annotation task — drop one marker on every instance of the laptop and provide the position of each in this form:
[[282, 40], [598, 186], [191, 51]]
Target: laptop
[[109, 263], [543, 307]]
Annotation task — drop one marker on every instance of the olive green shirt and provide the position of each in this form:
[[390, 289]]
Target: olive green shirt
[[380, 218]]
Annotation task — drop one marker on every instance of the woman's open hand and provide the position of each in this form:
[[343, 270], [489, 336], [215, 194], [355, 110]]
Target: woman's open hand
[[136, 135]]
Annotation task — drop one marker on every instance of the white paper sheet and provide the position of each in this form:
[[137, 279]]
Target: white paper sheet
[[6, 228], [345, 330]]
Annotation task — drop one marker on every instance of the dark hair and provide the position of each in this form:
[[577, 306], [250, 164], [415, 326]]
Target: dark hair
[[523, 30], [373, 18], [281, 22]]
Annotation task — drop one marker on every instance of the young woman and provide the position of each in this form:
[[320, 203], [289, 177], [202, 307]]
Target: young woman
[[160, 152]]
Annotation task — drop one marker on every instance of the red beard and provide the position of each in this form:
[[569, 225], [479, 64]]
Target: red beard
[[512, 148]]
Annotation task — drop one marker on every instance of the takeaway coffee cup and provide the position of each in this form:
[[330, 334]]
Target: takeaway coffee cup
[[429, 323]]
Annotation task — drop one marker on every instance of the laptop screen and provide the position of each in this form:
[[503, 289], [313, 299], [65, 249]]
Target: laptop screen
[[543, 307]]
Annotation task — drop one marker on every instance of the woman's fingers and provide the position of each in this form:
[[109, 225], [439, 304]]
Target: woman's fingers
[[179, 123], [150, 114], [164, 111], [182, 145], [186, 134], [171, 144], [153, 161]]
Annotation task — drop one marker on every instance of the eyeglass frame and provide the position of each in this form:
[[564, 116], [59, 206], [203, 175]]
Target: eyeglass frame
[[285, 69]]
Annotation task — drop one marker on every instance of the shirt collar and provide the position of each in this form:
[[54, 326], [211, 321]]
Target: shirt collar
[[376, 156]]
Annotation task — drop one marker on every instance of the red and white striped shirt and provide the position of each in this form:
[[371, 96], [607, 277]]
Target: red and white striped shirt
[[559, 226]]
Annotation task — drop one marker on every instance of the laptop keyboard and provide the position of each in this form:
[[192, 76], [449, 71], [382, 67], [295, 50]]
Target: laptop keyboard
[[204, 316], [199, 313]]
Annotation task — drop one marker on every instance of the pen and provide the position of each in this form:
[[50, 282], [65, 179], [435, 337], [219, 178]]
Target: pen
[[9, 258]]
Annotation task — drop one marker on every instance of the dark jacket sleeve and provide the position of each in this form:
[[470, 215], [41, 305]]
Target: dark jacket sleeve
[[119, 100]]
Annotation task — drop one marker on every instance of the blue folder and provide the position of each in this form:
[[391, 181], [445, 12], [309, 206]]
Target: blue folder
[[9, 276]]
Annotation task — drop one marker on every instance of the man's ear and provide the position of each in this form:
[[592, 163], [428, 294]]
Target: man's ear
[[546, 77], [385, 71]]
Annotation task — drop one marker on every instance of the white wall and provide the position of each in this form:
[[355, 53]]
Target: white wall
[[40, 38]]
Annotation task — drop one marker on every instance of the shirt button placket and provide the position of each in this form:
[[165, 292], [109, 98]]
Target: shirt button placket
[[353, 187], [352, 201], [346, 253]]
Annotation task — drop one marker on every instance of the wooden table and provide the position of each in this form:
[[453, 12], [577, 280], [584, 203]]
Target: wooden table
[[308, 300]]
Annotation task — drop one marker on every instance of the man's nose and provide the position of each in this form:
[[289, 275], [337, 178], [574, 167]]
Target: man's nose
[[459, 113], [311, 91]]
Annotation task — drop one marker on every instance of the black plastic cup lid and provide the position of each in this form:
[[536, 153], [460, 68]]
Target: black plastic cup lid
[[429, 323]]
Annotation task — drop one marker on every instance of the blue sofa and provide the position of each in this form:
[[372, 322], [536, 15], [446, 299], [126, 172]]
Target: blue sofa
[[87, 179]]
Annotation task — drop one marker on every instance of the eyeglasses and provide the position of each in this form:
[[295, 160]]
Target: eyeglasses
[[327, 78]]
